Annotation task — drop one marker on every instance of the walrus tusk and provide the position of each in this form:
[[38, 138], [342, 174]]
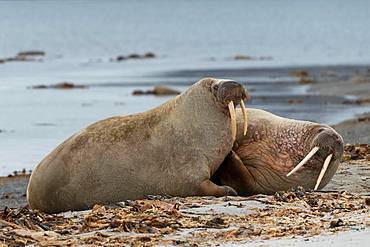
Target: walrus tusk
[[233, 119], [323, 170], [245, 117], [305, 159]]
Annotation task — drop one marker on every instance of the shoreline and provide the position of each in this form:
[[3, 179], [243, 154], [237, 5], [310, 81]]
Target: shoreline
[[355, 130], [299, 92]]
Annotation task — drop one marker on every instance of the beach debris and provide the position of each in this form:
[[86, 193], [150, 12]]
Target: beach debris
[[133, 56], [336, 223], [246, 57], [22, 59], [361, 78], [120, 58], [149, 55], [356, 152], [175, 221], [305, 80], [361, 101], [298, 73], [242, 57], [367, 201], [31, 53], [364, 119], [60, 85], [157, 91], [304, 77], [22, 172], [295, 101], [25, 56]]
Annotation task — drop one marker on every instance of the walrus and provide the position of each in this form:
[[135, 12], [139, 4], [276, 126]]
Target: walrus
[[278, 154], [172, 149]]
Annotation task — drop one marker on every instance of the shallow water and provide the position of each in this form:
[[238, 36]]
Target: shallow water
[[192, 39]]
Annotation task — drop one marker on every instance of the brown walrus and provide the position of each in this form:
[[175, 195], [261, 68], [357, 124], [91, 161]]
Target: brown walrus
[[172, 150], [262, 159]]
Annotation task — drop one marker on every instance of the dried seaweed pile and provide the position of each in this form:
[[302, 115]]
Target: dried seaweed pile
[[194, 221], [356, 152]]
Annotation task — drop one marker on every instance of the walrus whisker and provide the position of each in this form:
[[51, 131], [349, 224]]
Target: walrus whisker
[[232, 119], [304, 161], [244, 116], [323, 170]]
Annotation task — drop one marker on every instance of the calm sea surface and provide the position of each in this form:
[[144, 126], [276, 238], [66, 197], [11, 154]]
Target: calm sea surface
[[80, 37], [331, 31]]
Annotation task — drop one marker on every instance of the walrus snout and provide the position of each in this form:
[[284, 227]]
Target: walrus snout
[[230, 94], [231, 91], [328, 145], [329, 142]]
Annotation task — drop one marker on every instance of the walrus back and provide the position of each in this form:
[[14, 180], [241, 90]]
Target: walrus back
[[49, 176], [89, 167], [169, 150], [104, 163]]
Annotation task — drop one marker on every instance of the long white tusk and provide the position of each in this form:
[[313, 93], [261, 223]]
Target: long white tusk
[[233, 120], [304, 161], [245, 117], [323, 170]]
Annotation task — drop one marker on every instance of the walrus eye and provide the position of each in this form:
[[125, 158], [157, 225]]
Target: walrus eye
[[320, 130], [215, 87]]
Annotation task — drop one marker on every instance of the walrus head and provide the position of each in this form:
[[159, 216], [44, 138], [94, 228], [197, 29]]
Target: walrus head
[[228, 95], [280, 154], [327, 144]]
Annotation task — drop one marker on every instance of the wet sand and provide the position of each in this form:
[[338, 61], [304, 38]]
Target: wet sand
[[13, 191], [356, 130]]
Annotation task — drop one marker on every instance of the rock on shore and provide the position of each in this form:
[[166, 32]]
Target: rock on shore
[[157, 91], [60, 85]]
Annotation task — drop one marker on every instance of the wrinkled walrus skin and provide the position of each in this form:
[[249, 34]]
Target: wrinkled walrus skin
[[272, 147], [172, 149]]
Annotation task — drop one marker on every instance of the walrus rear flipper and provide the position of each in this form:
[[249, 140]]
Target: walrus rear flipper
[[208, 188], [233, 173]]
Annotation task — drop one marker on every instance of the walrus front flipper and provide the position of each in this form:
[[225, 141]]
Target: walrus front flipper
[[233, 173], [208, 188]]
